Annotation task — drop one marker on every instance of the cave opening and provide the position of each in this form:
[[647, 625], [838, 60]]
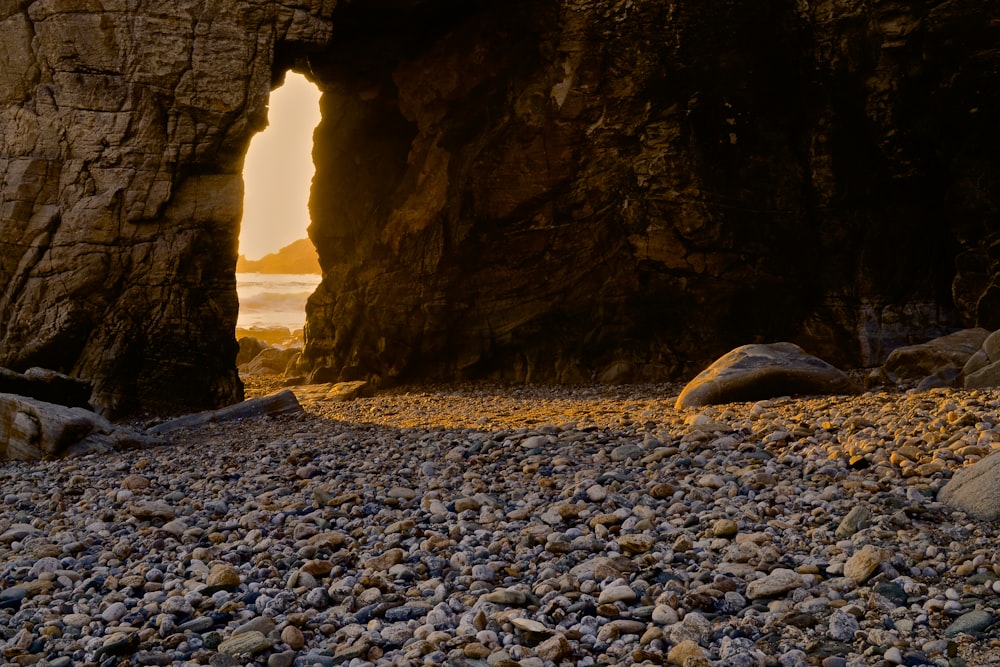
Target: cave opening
[[278, 267]]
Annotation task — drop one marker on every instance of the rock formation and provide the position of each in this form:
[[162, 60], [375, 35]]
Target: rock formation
[[31, 430], [553, 190], [297, 257], [123, 127], [757, 372]]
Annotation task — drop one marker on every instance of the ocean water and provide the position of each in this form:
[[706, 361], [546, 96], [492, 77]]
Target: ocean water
[[274, 299]]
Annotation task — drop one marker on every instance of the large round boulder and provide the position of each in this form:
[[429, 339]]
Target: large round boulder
[[759, 371]]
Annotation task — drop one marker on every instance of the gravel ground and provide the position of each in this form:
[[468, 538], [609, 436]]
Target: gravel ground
[[503, 526]]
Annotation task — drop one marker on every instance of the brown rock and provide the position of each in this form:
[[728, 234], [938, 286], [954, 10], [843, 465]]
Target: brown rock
[[385, 560], [317, 568], [292, 636], [754, 372], [682, 652], [153, 510], [135, 482], [554, 648], [223, 577], [725, 528], [864, 563], [662, 490], [634, 543], [476, 651]]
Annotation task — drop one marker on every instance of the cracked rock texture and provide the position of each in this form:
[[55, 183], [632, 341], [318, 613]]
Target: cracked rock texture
[[555, 190]]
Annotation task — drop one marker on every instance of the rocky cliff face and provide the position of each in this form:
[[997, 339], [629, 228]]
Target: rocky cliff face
[[122, 131], [554, 190], [564, 191]]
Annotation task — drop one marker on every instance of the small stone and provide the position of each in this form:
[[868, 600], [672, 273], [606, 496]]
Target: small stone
[[596, 493], [534, 442], [223, 577], [261, 624], [321, 496], [466, 503], [153, 510], [114, 612], [972, 621], [625, 452], [613, 594], [118, 643], [283, 659], [292, 636], [626, 626], [76, 620], [528, 625], [554, 648], [636, 543], [863, 563], [317, 568], [665, 615], [18, 532], [778, 582], [725, 528], [662, 490], [407, 612], [348, 652], [246, 643], [329, 540], [385, 560], [176, 605], [506, 596], [135, 482], [175, 527], [855, 520], [843, 626], [893, 656], [679, 654], [476, 651]]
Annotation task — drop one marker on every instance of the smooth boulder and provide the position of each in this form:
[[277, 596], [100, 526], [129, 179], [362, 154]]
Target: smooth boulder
[[940, 359], [31, 430], [976, 489], [760, 371], [982, 369]]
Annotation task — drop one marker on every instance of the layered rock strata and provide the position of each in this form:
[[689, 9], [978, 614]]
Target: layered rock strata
[[542, 191], [122, 132]]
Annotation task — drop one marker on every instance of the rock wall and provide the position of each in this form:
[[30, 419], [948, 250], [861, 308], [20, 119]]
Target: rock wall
[[123, 126], [568, 190], [554, 190]]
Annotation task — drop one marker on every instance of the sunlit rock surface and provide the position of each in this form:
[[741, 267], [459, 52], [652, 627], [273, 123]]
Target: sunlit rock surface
[[553, 190], [123, 127]]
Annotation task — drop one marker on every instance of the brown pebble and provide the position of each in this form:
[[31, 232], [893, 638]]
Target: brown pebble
[[292, 636]]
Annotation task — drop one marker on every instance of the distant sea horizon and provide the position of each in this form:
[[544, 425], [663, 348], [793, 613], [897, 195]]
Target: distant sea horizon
[[269, 300]]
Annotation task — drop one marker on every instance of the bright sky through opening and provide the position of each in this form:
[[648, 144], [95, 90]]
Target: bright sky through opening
[[279, 170]]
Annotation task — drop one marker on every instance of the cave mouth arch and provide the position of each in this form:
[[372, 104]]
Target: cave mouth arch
[[525, 189], [278, 267]]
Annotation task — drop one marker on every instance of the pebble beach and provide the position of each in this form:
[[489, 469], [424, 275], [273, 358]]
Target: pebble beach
[[510, 526]]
